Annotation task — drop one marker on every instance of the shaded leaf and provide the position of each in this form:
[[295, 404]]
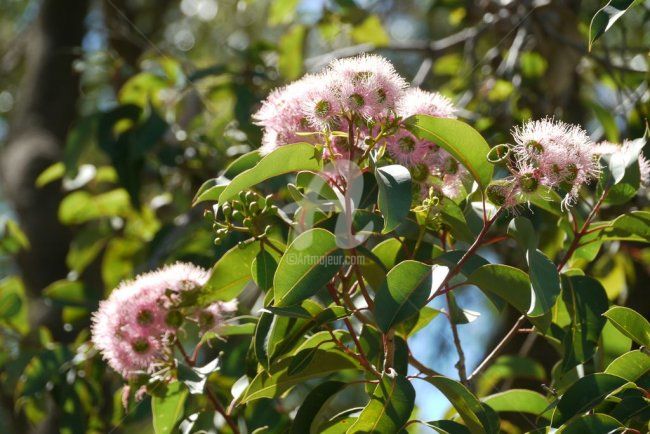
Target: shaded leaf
[[394, 199], [390, 406]]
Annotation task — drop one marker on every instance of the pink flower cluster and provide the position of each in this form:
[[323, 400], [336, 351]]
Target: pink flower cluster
[[365, 87], [361, 94], [134, 327], [554, 154]]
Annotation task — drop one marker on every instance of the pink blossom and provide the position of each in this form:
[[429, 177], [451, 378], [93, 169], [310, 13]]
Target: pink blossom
[[130, 327], [562, 153], [369, 84], [282, 116], [416, 101]]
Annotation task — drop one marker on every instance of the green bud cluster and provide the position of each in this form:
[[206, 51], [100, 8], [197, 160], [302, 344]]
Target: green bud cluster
[[244, 214]]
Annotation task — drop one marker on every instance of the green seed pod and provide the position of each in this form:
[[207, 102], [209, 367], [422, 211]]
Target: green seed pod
[[174, 318], [253, 207], [499, 191], [248, 222], [250, 196], [227, 209], [528, 183], [237, 215]]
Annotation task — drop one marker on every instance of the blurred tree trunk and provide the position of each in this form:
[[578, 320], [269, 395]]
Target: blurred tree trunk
[[46, 107]]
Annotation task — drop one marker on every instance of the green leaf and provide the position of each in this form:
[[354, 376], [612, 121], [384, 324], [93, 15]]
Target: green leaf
[[406, 290], [312, 405], [630, 323], [80, 206], [621, 173], [210, 190], [67, 292], [286, 159], [390, 406], [418, 322], [230, 274], [290, 51], [459, 139], [585, 394], [242, 163], [263, 269], [586, 301], [508, 283], [631, 366], [446, 427], [636, 223], [605, 18], [269, 385], [545, 283], [510, 367], [282, 12], [309, 262], [592, 424], [394, 199], [517, 400], [53, 173], [10, 303], [370, 31], [453, 216], [521, 229], [13, 304], [168, 408], [476, 417]]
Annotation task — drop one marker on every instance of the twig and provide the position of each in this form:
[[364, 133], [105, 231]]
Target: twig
[[462, 370]]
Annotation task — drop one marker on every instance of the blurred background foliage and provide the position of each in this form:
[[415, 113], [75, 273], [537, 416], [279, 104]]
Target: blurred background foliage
[[113, 112]]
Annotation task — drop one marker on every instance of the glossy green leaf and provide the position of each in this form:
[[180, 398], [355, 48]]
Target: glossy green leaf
[[592, 424], [476, 417], [406, 290], [511, 368], [10, 303], [636, 223], [210, 190], [545, 283], [263, 269], [459, 139], [605, 18], [584, 395], [631, 366], [586, 302], [269, 385], [312, 405], [394, 198], [230, 274], [80, 206], [453, 216], [630, 323], [242, 163], [309, 262], [286, 159], [521, 229], [168, 407], [446, 427], [67, 292], [509, 283], [390, 406], [518, 401]]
